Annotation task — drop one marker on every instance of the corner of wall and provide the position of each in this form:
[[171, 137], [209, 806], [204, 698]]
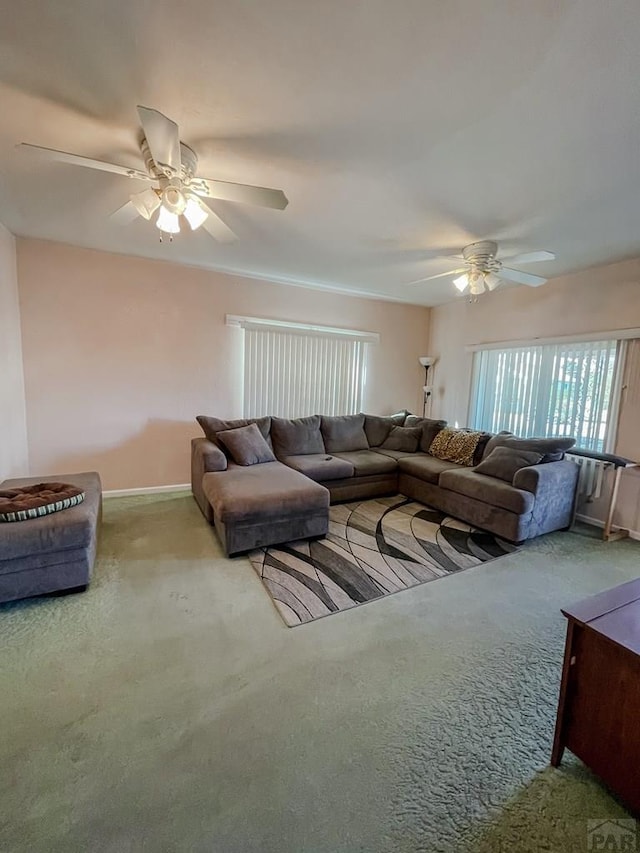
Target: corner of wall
[[13, 418]]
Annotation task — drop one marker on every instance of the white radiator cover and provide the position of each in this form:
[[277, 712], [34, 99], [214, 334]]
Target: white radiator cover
[[591, 477]]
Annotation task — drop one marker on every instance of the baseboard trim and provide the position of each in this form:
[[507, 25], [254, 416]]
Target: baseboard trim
[[147, 490], [596, 522]]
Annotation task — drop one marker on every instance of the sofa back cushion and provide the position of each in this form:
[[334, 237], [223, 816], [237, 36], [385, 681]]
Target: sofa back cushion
[[463, 446], [377, 428], [212, 426], [429, 427], [246, 445], [343, 433], [296, 437], [552, 449], [504, 462], [403, 438]]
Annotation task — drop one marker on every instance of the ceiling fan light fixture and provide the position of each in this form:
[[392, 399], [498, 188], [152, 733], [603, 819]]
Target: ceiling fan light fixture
[[146, 202], [461, 282], [491, 280], [168, 221], [195, 213], [173, 199]]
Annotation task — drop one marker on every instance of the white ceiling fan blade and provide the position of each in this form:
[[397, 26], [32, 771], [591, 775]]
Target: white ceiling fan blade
[[218, 229], [163, 139], [522, 277], [87, 162], [440, 275], [243, 193], [124, 215], [531, 257]]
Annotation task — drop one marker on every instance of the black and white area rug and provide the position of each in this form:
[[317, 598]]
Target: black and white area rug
[[373, 548]]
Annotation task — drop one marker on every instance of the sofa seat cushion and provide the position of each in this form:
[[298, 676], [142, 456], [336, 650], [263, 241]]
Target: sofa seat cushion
[[368, 463], [258, 493], [320, 466], [489, 490], [425, 467]]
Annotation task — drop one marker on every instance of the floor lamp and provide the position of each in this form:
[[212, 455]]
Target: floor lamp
[[426, 361]]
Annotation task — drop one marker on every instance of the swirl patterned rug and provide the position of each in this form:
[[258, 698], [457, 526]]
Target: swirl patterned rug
[[374, 548]]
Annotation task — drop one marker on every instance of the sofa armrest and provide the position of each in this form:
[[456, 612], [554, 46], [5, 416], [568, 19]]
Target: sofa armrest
[[207, 456], [546, 479], [554, 486]]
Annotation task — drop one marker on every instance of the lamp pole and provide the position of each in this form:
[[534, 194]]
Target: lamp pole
[[426, 361]]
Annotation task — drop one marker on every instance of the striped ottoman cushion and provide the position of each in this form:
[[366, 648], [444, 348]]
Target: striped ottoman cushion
[[21, 504]]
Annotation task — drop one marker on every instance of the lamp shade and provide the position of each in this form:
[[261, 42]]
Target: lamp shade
[[461, 282], [195, 213], [167, 221], [491, 280], [146, 202]]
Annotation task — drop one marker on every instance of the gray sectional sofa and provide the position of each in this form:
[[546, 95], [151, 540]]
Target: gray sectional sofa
[[273, 482]]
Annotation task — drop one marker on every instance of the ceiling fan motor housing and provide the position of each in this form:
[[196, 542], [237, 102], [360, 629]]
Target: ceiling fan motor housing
[[481, 254], [188, 158]]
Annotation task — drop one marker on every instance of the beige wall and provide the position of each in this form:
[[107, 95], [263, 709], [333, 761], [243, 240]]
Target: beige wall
[[121, 353], [596, 300], [13, 430]]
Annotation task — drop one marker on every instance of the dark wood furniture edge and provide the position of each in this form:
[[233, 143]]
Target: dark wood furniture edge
[[603, 602], [558, 738]]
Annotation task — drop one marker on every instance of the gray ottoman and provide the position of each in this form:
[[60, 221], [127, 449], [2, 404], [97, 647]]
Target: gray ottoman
[[259, 505], [56, 552]]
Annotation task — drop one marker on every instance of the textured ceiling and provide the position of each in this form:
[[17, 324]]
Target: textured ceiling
[[398, 130]]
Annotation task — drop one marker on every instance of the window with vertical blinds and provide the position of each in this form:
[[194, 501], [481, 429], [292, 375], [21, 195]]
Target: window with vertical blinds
[[293, 370], [551, 389]]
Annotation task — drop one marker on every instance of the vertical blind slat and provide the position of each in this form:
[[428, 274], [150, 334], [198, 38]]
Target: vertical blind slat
[[546, 390], [293, 375]]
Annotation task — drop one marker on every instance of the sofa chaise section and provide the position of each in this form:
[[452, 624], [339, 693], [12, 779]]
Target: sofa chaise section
[[263, 505]]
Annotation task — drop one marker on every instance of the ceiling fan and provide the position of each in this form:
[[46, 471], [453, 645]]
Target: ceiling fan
[[483, 271], [175, 192]]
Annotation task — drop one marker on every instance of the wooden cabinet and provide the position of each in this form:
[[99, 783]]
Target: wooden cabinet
[[599, 705]]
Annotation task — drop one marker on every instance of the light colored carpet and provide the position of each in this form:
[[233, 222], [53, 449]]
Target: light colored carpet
[[169, 709], [373, 548]]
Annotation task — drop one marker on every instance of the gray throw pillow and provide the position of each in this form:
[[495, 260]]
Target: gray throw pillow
[[377, 428], [552, 449], [403, 438], [343, 433], [496, 440], [429, 427], [246, 445], [296, 437], [212, 426], [503, 462]]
